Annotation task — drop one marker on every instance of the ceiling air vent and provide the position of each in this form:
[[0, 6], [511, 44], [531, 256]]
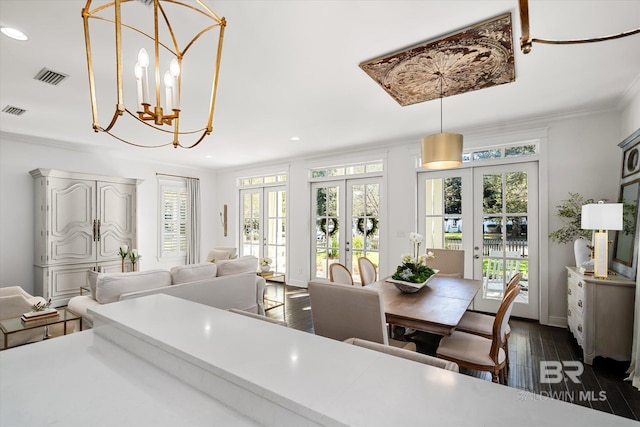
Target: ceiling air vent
[[51, 77], [10, 109]]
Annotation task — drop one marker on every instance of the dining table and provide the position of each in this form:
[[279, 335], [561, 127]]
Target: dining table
[[436, 308]]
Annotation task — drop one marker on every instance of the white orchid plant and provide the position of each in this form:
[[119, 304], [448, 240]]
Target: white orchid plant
[[414, 267]]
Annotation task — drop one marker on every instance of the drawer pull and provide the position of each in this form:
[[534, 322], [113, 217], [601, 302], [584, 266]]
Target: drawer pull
[[569, 291], [579, 284], [579, 303]]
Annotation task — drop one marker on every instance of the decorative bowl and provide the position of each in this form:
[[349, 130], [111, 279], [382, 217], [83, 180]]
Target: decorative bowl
[[408, 287]]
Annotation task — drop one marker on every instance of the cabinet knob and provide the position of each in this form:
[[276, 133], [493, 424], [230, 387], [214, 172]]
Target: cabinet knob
[[580, 327], [579, 303], [569, 313], [579, 284], [569, 291]]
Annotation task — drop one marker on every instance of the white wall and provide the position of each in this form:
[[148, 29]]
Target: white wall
[[19, 155], [582, 156]]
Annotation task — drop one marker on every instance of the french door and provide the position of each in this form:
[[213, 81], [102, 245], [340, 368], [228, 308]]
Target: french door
[[490, 212], [264, 224], [346, 214]]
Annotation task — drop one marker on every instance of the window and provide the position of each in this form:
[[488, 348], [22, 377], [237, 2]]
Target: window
[[173, 211]]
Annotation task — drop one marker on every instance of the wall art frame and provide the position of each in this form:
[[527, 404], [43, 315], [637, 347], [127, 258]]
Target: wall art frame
[[626, 243]]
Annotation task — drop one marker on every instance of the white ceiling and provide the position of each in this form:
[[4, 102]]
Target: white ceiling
[[290, 68]]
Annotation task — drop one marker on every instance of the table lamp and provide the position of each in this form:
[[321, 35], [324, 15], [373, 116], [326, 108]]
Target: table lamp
[[601, 217]]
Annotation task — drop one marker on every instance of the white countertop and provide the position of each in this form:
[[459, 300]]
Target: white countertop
[[324, 381]]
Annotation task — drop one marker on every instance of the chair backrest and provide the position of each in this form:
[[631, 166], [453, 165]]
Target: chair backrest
[[501, 320], [513, 282], [367, 269], [338, 273], [447, 261], [341, 311]]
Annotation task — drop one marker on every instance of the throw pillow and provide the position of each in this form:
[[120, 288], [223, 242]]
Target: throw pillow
[[217, 255], [193, 272], [92, 276], [245, 264]]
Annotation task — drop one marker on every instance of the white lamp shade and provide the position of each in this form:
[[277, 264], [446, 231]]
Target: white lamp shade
[[602, 216]]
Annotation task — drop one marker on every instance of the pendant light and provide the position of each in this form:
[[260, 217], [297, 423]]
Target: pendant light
[[441, 150]]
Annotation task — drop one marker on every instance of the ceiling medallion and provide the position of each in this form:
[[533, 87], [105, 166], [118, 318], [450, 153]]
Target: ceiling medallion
[[474, 58]]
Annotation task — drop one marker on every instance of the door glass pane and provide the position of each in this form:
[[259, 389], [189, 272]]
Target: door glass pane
[[327, 230], [453, 213], [275, 243], [505, 239], [443, 209], [365, 235], [492, 194], [251, 223]]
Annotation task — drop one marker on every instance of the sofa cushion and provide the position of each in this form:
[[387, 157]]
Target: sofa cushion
[[245, 264], [109, 287], [193, 272]]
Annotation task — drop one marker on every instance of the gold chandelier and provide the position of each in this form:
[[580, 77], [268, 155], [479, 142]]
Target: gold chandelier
[[526, 41], [441, 150], [153, 29]]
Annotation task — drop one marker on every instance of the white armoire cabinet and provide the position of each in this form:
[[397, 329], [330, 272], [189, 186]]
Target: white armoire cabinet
[[81, 220]]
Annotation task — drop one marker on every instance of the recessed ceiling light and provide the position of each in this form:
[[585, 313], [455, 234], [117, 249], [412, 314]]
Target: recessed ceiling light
[[295, 138], [13, 33], [208, 156]]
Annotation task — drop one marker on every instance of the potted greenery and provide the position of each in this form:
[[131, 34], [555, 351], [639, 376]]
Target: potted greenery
[[570, 213]]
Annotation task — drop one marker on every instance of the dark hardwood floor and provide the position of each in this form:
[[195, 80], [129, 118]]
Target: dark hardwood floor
[[601, 385]]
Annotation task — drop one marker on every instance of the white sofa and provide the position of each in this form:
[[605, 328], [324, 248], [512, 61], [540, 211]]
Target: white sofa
[[224, 284]]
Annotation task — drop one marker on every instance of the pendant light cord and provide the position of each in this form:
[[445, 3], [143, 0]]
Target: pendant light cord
[[441, 95]]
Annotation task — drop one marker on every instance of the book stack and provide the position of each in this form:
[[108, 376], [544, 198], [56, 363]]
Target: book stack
[[39, 315]]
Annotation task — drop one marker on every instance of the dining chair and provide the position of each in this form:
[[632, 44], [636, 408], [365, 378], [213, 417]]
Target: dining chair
[[448, 262], [338, 273], [482, 324], [405, 354], [480, 353], [368, 272], [340, 311]]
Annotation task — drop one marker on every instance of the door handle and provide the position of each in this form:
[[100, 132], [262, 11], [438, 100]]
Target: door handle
[[94, 230], [98, 230], [476, 256]]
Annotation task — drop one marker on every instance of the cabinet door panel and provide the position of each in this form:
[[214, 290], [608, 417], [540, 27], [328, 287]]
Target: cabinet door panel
[[117, 213], [72, 207]]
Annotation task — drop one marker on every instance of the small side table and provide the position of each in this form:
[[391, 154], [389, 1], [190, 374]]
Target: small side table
[[16, 324], [273, 277]]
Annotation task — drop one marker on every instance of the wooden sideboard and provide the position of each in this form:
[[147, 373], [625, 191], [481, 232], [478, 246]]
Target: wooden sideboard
[[600, 314]]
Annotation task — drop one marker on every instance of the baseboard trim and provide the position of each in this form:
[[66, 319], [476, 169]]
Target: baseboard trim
[[559, 322]]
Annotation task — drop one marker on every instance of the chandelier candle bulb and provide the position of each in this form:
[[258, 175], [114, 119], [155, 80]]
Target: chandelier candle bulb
[[138, 72], [143, 61], [168, 83], [174, 68]]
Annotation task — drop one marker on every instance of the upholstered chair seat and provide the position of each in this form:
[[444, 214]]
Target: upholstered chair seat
[[341, 311]]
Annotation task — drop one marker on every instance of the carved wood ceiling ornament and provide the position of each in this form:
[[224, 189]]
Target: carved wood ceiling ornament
[[474, 58]]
